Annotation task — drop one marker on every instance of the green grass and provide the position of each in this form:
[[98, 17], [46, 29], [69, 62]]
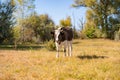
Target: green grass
[[96, 59]]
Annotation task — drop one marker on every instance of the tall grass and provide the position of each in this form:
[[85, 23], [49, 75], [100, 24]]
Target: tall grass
[[96, 59]]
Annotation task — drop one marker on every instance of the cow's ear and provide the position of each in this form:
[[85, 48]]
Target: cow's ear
[[62, 28], [52, 32], [62, 32]]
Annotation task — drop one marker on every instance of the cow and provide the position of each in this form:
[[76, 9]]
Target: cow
[[63, 37]]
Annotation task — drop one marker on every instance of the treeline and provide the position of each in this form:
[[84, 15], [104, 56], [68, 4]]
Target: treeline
[[34, 29], [6, 22], [16, 28], [20, 24], [102, 18]]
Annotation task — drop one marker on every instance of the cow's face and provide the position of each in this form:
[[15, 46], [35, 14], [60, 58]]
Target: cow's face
[[58, 35]]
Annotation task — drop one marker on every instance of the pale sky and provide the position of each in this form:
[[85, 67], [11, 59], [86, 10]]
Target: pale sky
[[60, 9]]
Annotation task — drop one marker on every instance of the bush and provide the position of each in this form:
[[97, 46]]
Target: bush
[[76, 34], [117, 35], [82, 35], [92, 32], [50, 45], [98, 33], [104, 35]]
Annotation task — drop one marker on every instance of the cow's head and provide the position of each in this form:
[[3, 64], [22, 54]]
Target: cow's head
[[58, 35]]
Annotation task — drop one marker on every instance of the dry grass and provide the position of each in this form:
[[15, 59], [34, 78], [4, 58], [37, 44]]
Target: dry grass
[[96, 59]]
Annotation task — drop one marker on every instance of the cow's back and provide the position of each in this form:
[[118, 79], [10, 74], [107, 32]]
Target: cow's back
[[68, 33]]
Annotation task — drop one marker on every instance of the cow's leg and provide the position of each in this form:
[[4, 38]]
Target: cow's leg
[[65, 47], [64, 51], [70, 48], [57, 55], [57, 48]]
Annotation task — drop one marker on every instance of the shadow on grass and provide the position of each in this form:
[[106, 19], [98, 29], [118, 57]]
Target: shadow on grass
[[21, 47], [91, 57]]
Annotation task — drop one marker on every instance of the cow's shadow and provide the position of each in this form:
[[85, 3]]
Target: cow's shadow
[[91, 57]]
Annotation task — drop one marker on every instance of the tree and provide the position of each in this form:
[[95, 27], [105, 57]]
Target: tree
[[6, 21], [66, 22], [81, 23], [100, 11], [38, 27], [114, 26], [24, 8], [16, 35], [46, 25]]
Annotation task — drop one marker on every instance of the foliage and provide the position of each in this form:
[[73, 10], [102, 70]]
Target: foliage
[[46, 25], [89, 32], [16, 31], [50, 45], [16, 35], [101, 12], [76, 34], [117, 35], [66, 22], [92, 32], [114, 25], [98, 33], [6, 22], [116, 38], [82, 35], [24, 8], [38, 27]]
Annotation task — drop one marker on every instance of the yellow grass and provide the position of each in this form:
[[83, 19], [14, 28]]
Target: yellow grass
[[96, 59]]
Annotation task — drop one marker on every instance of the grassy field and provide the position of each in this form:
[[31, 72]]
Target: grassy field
[[96, 59]]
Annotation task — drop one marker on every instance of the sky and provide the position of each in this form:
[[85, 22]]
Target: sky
[[60, 9]]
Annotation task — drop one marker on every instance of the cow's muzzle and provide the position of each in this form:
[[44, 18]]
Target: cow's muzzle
[[58, 42]]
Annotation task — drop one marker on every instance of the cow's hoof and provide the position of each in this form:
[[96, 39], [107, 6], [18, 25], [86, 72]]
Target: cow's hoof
[[57, 56]]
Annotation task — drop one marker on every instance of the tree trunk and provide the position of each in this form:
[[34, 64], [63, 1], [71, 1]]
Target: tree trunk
[[15, 44], [106, 26]]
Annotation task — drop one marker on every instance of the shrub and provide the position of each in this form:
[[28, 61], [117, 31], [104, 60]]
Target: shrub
[[104, 35], [92, 32], [98, 33], [50, 45], [117, 35], [82, 35], [76, 34]]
